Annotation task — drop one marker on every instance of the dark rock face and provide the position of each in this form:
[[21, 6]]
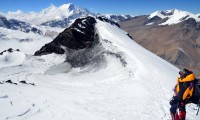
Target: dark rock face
[[50, 48], [4, 22], [154, 19], [78, 36], [103, 18], [191, 22]]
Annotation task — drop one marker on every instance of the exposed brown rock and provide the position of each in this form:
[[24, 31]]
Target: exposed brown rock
[[179, 44]]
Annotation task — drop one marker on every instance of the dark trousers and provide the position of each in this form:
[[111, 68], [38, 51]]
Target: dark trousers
[[180, 106]]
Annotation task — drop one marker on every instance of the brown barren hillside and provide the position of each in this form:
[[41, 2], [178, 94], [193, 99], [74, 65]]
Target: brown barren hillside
[[179, 43]]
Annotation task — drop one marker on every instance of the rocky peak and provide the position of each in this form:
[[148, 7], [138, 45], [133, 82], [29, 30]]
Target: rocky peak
[[81, 44], [78, 36]]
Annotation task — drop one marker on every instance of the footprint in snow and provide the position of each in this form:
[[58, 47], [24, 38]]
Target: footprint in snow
[[5, 96]]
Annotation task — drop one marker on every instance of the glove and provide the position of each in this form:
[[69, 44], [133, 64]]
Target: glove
[[172, 101]]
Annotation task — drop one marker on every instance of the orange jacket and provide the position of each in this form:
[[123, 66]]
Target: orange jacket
[[183, 88]]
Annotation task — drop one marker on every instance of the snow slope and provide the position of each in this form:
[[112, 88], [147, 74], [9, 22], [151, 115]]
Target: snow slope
[[140, 90]]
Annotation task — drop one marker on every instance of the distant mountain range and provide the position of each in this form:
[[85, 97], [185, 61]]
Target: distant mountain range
[[18, 25], [21, 28], [173, 35], [61, 16]]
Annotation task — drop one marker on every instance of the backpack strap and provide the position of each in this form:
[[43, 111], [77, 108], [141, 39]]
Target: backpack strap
[[197, 88]]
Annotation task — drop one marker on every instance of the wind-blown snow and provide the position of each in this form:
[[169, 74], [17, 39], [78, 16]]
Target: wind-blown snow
[[138, 91]]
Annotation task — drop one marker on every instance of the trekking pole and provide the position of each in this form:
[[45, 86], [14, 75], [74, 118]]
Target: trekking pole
[[198, 105], [197, 111]]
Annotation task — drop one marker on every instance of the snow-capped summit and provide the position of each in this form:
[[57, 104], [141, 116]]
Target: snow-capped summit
[[49, 9], [69, 7], [58, 16], [173, 16], [157, 13], [167, 13], [51, 13]]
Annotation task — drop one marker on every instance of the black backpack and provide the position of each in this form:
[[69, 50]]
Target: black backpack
[[197, 88], [196, 93]]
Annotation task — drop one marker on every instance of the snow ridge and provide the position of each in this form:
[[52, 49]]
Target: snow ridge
[[174, 16]]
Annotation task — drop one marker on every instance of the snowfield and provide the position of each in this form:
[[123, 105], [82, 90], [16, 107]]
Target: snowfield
[[25, 42], [138, 90]]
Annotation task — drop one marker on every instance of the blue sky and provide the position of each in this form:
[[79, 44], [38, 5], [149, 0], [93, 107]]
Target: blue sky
[[132, 7]]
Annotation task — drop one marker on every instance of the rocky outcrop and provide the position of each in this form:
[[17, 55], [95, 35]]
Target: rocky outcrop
[[9, 50], [105, 19], [78, 36]]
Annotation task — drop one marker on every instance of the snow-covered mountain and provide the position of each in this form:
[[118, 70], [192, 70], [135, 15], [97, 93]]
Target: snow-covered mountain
[[173, 16], [118, 18], [61, 16], [49, 14], [106, 76], [18, 25], [173, 35]]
